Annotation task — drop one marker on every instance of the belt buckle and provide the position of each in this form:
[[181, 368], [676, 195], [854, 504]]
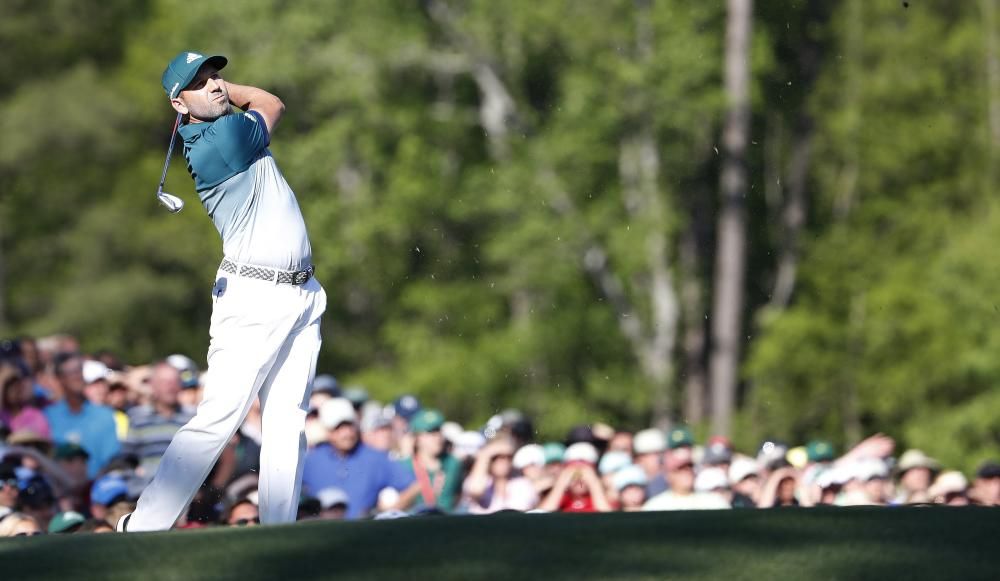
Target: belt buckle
[[301, 277]]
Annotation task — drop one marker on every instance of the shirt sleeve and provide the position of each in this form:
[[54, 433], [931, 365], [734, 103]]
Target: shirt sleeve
[[240, 138], [399, 474], [307, 474]]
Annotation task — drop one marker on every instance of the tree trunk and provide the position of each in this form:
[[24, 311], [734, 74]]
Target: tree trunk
[[730, 266], [693, 309]]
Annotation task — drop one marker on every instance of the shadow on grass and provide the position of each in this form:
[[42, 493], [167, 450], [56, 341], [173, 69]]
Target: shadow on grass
[[925, 543]]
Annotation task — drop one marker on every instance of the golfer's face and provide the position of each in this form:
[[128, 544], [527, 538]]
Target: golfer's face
[[207, 97]]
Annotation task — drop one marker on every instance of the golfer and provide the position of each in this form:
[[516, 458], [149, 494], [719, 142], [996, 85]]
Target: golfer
[[266, 304]]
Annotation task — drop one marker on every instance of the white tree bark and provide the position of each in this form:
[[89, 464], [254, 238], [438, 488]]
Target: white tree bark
[[730, 266]]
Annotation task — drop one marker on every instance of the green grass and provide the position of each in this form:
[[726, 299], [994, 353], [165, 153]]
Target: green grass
[[912, 543]]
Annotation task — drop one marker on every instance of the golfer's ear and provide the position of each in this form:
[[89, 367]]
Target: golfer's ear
[[179, 106]]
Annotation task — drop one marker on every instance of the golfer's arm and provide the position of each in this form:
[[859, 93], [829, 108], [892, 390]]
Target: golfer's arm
[[247, 98]]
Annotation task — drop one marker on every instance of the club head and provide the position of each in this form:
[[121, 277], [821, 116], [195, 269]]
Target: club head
[[172, 203]]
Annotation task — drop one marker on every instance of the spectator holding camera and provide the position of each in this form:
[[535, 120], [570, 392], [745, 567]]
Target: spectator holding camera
[[578, 488]]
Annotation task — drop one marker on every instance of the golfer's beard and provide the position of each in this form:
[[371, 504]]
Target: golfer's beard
[[210, 111]]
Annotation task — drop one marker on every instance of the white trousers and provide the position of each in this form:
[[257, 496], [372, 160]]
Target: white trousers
[[264, 343]]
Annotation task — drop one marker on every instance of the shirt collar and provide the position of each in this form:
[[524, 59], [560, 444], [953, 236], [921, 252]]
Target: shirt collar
[[192, 131]]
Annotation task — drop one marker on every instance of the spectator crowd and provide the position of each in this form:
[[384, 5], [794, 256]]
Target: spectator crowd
[[81, 436]]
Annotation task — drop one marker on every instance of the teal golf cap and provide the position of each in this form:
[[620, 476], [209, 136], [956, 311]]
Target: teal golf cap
[[182, 70]]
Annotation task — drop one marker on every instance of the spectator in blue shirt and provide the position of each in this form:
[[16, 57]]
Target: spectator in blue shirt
[[74, 420], [346, 463]]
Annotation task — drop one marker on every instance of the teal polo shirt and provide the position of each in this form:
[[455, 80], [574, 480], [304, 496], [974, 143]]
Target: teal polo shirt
[[244, 192]]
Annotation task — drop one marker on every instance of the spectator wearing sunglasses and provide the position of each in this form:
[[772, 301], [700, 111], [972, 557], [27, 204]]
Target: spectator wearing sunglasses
[[241, 513]]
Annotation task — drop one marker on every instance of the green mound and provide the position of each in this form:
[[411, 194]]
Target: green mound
[[911, 543]]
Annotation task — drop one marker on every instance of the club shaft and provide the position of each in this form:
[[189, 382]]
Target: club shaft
[[170, 151]]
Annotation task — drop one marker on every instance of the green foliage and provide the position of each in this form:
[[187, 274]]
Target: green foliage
[[893, 327], [453, 252]]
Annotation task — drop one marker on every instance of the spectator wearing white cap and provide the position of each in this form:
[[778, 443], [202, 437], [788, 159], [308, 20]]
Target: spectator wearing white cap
[[630, 485], [713, 480], [866, 482], [950, 488], [192, 381], [18, 524], [346, 463], [467, 444], [578, 487], [491, 485], [610, 463], [333, 503], [648, 447], [95, 376], [682, 495], [530, 460], [916, 471], [744, 481], [826, 484], [877, 483]]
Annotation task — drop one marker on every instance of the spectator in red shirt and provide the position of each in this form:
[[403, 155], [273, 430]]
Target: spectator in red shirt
[[578, 488]]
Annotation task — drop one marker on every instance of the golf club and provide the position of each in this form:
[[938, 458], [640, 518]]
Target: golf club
[[172, 203]]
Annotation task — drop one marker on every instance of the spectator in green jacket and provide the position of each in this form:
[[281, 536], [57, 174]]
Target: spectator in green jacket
[[438, 475]]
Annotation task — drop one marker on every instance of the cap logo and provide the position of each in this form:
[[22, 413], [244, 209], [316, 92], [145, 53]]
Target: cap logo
[[192, 56]]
